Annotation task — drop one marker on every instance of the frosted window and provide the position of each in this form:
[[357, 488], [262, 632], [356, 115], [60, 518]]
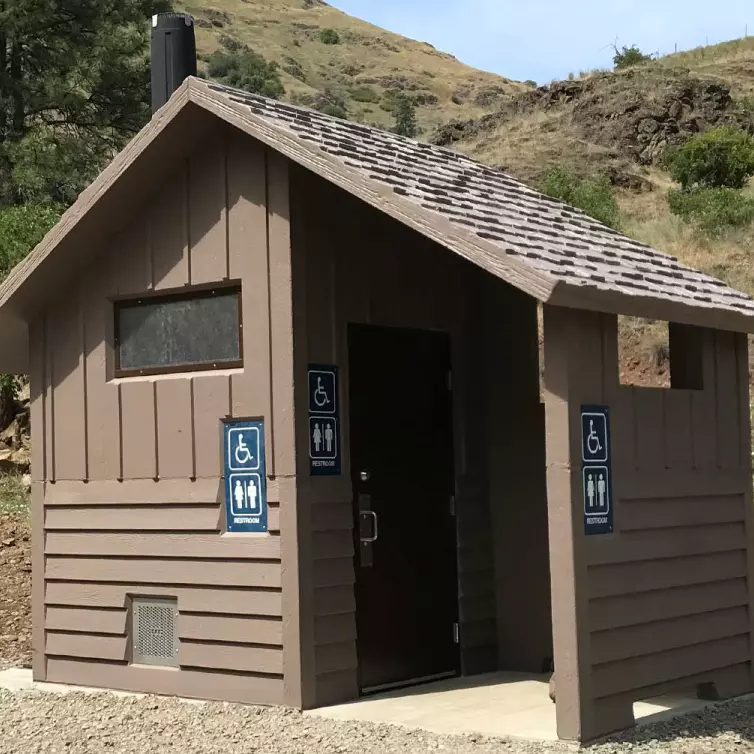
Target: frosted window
[[168, 334]]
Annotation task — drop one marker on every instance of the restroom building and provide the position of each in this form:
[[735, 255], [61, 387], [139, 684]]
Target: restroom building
[[293, 443]]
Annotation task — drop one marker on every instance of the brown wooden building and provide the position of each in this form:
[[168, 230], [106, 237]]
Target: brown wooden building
[[418, 274]]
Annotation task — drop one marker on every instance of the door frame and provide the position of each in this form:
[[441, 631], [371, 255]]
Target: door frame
[[457, 658]]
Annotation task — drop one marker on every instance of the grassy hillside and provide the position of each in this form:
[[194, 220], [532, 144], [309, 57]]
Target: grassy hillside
[[731, 62], [364, 69]]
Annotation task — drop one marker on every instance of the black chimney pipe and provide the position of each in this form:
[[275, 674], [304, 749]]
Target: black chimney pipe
[[173, 56]]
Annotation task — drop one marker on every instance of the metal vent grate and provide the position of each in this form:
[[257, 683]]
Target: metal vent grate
[[155, 631]]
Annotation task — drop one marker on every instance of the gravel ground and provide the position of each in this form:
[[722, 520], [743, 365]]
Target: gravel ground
[[34, 722]]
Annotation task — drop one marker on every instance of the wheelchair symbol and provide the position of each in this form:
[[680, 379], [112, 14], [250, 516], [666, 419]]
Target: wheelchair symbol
[[243, 454], [321, 398], [593, 444], [244, 449]]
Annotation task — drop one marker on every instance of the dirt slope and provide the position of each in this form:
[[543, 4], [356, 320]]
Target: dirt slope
[[15, 589]]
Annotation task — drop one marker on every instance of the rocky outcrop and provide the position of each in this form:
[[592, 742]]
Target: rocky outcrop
[[637, 114], [15, 440]]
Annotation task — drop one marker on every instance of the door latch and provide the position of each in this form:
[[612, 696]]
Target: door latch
[[375, 527]]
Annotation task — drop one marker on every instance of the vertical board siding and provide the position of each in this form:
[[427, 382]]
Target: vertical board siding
[[281, 450], [48, 400], [37, 379], [103, 426], [728, 414], [667, 595], [138, 430], [169, 233], [677, 421], [515, 435], [207, 215], [247, 229], [211, 403], [175, 435], [124, 517], [129, 267], [69, 412]]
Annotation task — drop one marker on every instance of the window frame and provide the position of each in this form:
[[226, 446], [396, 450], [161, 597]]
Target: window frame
[[176, 295]]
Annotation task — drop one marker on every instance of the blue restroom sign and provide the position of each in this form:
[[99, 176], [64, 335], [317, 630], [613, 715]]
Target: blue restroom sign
[[245, 479], [596, 470], [324, 421]]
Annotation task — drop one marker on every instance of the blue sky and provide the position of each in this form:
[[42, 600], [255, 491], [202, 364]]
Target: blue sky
[[547, 39]]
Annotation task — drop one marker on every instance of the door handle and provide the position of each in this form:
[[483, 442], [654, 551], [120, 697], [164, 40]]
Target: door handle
[[376, 529]]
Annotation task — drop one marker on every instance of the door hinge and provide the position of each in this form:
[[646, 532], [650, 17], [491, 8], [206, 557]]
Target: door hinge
[[452, 505], [456, 634]]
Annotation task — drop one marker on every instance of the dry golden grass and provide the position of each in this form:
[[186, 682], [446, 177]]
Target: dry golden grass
[[287, 31], [731, 62], [529, 143]]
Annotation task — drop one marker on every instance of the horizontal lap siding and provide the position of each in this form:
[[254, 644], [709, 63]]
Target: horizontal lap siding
[[335, 658], [194, 682], [669, 593], [136, 504], [197, 598], [228, 588]]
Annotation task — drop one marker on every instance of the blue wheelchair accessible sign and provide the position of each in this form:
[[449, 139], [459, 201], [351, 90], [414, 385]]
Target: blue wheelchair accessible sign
[[596, 470], [245, 479], [324, 421]]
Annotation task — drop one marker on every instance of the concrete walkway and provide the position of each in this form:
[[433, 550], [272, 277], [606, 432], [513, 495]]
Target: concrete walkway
[[500, 705]]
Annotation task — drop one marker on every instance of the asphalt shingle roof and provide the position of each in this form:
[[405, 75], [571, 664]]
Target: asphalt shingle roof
[[558, 242]]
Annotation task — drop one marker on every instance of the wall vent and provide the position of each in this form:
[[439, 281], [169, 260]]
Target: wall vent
[[154, 631]]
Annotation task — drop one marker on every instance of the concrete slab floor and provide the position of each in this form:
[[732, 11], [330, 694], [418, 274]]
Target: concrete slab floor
[[499, 705]]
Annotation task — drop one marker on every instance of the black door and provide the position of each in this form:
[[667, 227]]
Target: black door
[[402, 461]]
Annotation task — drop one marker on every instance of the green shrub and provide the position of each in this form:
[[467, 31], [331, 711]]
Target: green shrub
[[329, 37], [365, 94], [713, 210], [388, 104], [337, 111], [22, 227], [720, 157], [246, 70], [629, 56], [592, 195], [332, 102]]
